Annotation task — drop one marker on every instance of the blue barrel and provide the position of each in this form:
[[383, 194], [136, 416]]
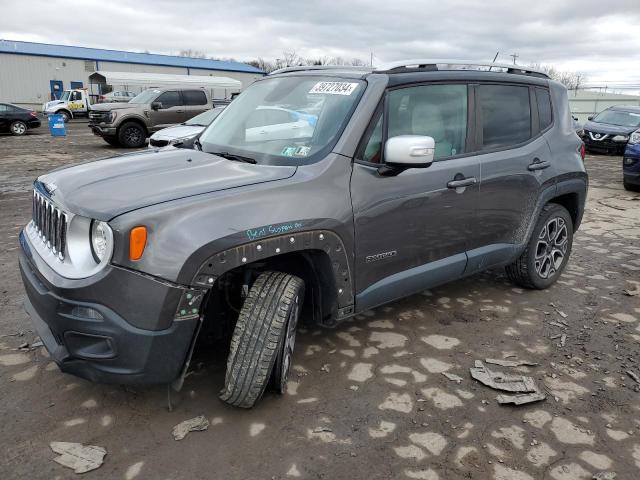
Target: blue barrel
[[56, 125]]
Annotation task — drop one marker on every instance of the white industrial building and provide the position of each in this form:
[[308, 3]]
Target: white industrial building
[[33, 73], [584, 103]]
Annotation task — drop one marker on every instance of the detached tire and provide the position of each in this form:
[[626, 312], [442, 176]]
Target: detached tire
[[547, 252], [132, 135], [263, 339]]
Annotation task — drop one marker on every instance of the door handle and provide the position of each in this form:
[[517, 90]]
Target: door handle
[[465, 182], [538, 165]]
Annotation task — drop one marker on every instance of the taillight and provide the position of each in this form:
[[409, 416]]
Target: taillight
[[582, 151], [33, 114]]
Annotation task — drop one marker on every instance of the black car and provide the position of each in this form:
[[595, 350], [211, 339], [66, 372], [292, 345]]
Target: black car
[[17, 120], [609, 131]]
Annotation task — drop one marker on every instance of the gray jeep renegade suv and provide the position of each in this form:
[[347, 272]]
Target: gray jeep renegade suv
[[317, 194]]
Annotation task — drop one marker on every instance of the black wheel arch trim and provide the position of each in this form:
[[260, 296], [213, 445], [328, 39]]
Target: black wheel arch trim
[[270, 247]]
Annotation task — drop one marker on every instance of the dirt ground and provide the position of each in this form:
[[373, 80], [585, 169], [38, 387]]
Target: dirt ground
[[368, 399]]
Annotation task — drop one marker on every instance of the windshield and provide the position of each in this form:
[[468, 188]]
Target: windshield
[[618, 117], [204, 119], [147, 96], [285, 120], [65, 95]]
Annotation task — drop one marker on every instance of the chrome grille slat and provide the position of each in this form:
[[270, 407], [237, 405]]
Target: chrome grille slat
[[50, 223]]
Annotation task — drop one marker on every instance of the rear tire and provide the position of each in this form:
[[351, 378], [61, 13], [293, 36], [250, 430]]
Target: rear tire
[[261, 338], [630, 187], [18, 128], [547, 251], [132, 135]]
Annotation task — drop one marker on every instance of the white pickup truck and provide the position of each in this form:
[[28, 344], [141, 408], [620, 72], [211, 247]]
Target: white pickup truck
[[72, 103]]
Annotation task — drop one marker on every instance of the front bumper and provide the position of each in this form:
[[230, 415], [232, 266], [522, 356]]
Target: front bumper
[[103, 131], [631, 165], [607, 145], [98, 342]]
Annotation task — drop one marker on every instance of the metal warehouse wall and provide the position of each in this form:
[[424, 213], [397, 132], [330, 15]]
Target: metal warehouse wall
[[584, 103], [24, 79]]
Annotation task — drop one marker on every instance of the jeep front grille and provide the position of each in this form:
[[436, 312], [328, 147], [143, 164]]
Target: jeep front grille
[[51, 224]]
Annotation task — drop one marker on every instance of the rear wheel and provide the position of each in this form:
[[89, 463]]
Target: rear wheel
[[263, 339], [547, 252], [18, 128], [132, 135], [630, 187]]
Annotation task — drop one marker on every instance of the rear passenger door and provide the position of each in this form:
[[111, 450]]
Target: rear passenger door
[[195, 102], [515, 163], [171, 112]]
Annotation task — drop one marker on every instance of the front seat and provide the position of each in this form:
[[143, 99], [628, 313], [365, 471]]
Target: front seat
[[426, 119]]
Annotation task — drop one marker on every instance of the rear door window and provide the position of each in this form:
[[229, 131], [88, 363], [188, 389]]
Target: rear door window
[[505, 115], [194, 97], [543, 100], [170, 99]]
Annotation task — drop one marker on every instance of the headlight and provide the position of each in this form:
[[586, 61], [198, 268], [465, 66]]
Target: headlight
[[101, 240], [620, 138], [176, 141], [635, 137], [112, 116]]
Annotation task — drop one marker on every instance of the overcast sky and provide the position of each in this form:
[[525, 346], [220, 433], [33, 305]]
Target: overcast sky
[[597, 37]]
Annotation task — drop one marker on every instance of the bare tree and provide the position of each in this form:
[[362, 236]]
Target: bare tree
[[571, 80], [191, 53]]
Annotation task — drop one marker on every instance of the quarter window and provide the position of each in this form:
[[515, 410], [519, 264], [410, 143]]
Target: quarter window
[[194, 97], [544, 108], [437, 111], [506, 115], [169, 99]]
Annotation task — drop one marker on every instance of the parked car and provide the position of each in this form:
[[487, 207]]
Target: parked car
[[609, 130], [129, 124], [17, 120], [186, 132], [399, 188], [631, 163], [118, 96]]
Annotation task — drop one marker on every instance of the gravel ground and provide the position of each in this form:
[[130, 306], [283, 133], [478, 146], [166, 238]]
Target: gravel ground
[[368, 399]]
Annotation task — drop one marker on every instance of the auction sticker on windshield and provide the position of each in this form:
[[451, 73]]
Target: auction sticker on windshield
[[334, 88]]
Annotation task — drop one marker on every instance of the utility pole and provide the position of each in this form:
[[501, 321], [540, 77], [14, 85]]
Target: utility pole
[[371, 59], [514, 56]]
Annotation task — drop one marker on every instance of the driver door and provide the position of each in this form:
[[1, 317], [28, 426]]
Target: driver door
[[171, 112], [412, 228]]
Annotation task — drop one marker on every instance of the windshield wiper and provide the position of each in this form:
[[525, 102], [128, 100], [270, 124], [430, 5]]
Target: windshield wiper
[[231, 156]]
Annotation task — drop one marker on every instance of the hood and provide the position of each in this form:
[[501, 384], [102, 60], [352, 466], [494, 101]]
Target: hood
[[177, 131], [104, 189], [608, 128], [107, 107], [51, 103]]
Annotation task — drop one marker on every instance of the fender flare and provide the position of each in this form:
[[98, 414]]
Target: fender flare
[[265, 248]]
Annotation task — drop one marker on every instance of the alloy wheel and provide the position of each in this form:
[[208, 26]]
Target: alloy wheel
[[551, 247], [18, 128]]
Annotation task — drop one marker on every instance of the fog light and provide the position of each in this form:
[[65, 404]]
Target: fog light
[[629, 161], [87, 313]]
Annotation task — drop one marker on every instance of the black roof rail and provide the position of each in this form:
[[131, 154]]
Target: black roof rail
[[302, 68], [435, 65]]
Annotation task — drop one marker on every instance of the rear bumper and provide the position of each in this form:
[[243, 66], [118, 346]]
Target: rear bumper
[[92, 340], [35, 123]]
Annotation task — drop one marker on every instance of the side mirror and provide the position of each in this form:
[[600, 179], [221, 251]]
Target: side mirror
[[590, 117], [156, 105], [409, 151]]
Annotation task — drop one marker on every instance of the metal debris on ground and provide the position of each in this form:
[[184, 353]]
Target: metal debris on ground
[[80, 458], [503, 381], [325, 368], [511, 363], [558, 311], [605, 476], [556, 324], [196, 424], [453, 377], [321, 429], [633, 375], [632, 293], [521, 399], [563, 340], [37, 344]]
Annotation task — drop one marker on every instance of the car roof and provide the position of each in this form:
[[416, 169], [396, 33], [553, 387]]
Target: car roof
[[626, 108]]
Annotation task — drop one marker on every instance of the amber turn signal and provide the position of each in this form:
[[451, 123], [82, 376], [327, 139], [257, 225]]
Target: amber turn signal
[[137, 242]]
